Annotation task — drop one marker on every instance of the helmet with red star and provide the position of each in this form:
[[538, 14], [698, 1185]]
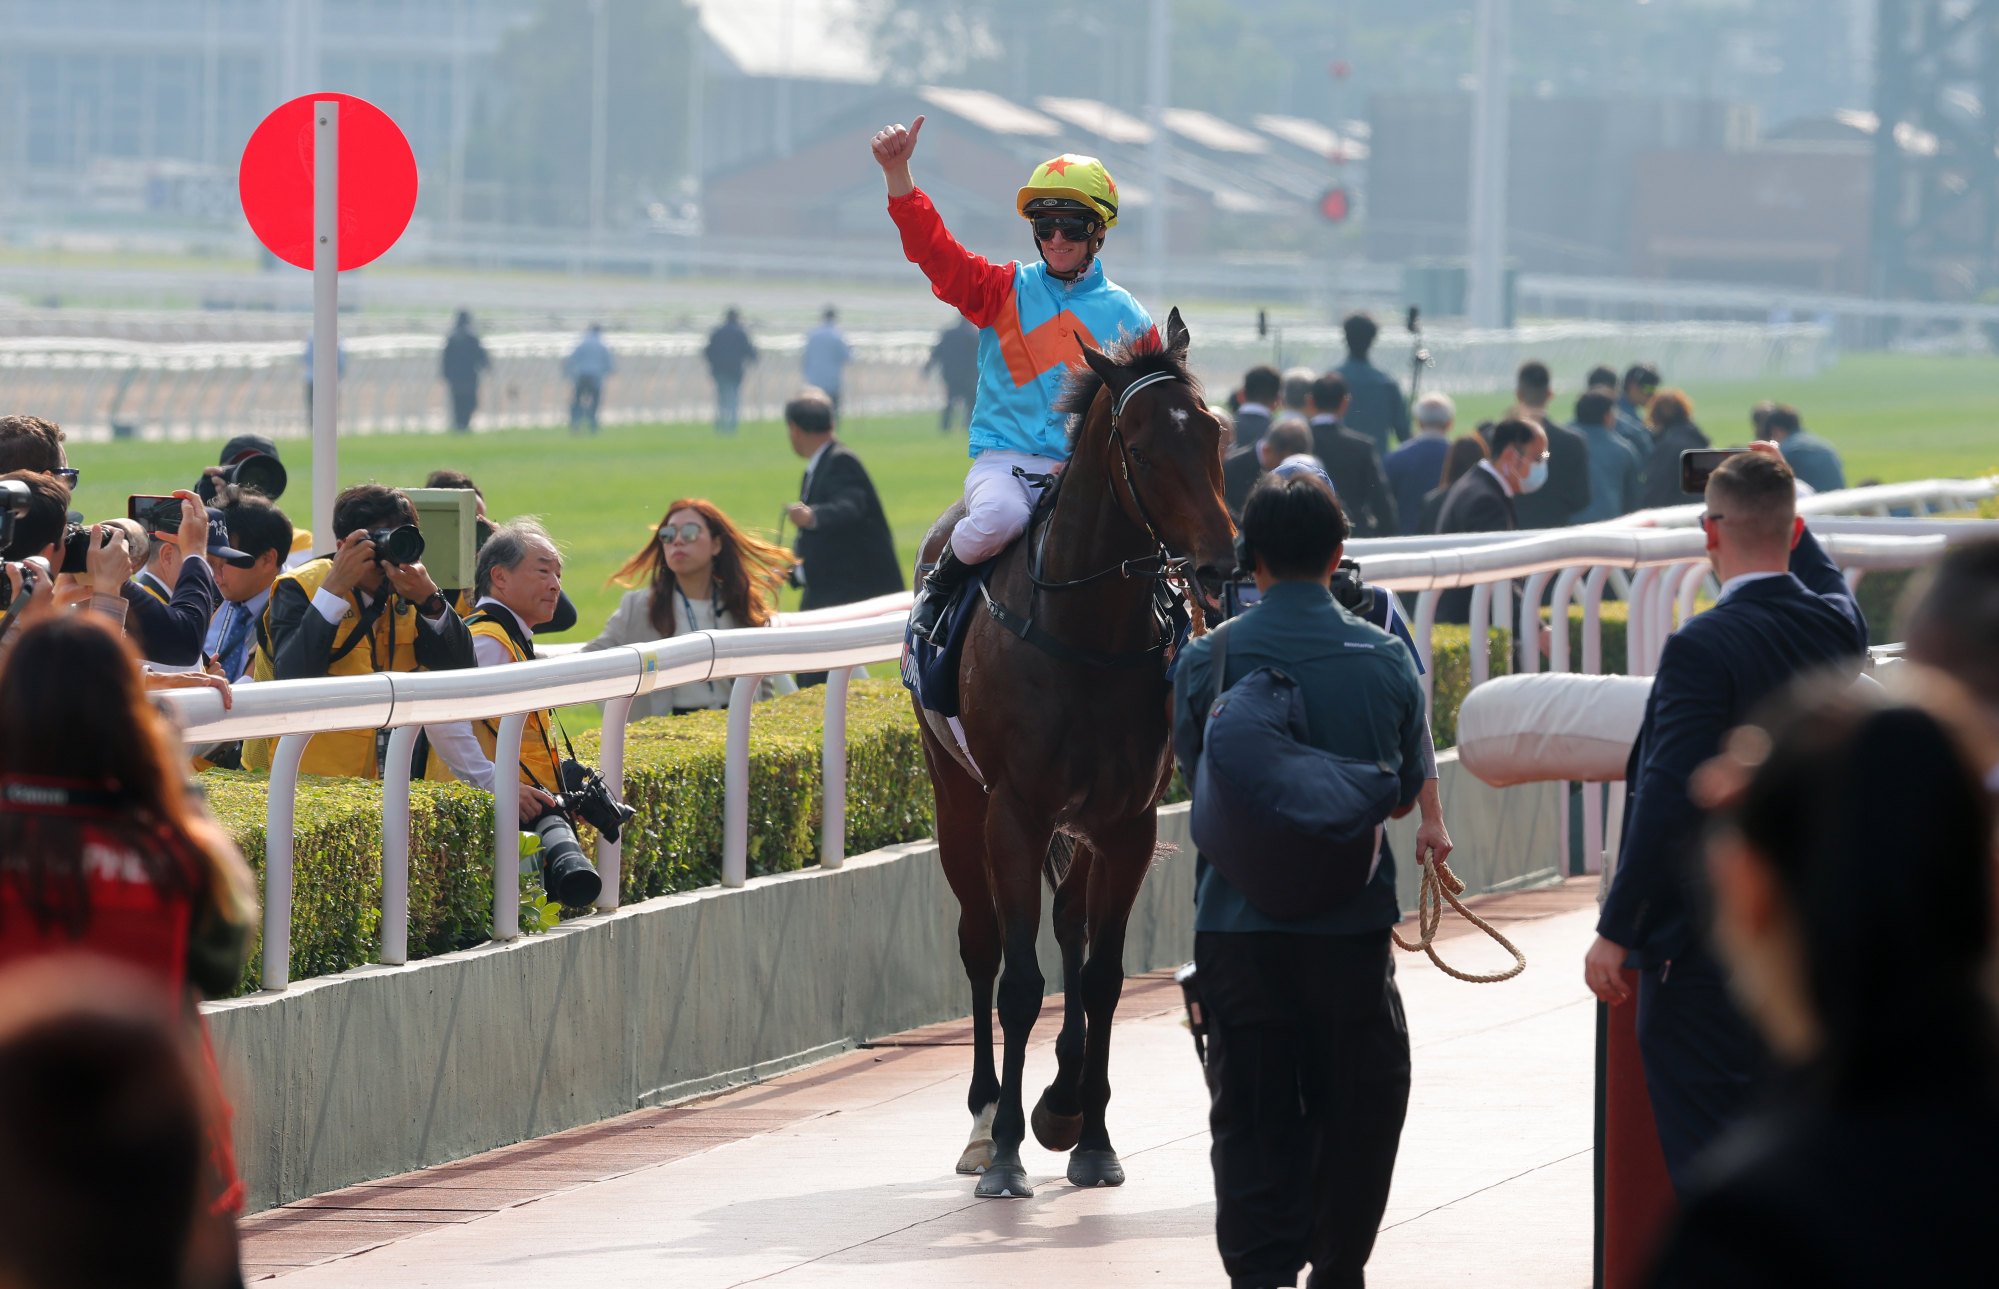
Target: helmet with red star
[[1070, 182]]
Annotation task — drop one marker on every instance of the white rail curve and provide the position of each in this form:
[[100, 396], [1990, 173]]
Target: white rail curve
[[1667, 567]]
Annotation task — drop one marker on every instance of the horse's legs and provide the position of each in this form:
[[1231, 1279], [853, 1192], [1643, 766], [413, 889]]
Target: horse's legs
[[1057, 1119], [961, 847], [1015, 848], [1123, 857]]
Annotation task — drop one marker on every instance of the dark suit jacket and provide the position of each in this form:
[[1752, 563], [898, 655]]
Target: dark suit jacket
[[848, 553], [1476, 503], [1714, 672], [1555, 503], [1358, 478], [1240, 470], [172, 634], [1662, 472]]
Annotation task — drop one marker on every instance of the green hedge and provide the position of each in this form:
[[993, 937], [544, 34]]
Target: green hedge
[[673, 777]]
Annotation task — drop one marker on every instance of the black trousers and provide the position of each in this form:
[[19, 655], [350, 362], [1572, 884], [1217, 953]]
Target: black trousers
[[1308, 1074], [1703, 1060], [464, 402]]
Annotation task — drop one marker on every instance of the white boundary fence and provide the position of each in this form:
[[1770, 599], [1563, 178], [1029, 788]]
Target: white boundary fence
[[1665, 563]]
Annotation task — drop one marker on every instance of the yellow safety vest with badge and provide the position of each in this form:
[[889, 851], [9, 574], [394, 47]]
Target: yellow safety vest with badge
[[387, 644], [538, 758]]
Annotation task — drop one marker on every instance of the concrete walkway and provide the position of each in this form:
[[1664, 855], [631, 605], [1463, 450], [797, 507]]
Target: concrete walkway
[[840, 1174]]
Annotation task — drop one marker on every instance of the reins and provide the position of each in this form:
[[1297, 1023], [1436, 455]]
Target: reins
[[1440, 884]]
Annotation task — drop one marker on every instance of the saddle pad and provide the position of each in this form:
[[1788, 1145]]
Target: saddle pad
[[931, 673]]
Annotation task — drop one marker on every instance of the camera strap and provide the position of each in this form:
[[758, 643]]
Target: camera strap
[[524, 645]]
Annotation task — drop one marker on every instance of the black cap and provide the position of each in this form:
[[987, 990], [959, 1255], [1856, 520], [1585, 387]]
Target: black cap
[[246, 445]]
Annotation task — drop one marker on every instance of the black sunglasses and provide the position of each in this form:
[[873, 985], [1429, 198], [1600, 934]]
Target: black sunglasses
[[1073, 227], [69, 475]]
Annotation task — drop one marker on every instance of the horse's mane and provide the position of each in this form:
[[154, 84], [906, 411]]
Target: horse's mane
[[1144, 356]]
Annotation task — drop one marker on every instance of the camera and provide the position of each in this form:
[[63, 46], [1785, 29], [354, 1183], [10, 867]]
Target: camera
[[258, 473], [32, 572], [154, 513], [587, 797], [13, 504], [1354, 595], [76, 539], [402, 545]]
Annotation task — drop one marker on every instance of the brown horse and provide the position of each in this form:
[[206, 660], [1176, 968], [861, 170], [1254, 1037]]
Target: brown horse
[[1065, 716]]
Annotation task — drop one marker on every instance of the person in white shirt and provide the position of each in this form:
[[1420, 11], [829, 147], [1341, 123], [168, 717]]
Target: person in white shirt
[[699, 573]]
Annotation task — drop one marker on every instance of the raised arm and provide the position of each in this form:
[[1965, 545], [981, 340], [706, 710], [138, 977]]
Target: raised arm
[[971, 284]]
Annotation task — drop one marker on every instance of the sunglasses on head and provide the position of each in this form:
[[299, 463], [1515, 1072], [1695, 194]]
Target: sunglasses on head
[[688, 532], [1074, 228]]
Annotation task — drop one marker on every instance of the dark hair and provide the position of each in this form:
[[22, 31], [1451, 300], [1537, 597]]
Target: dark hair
[[830, 313], [370, 505], [1294, 525], [1361, 331], [1261, 384], [748, 570], [1642, 375], [1328, 392], [1951, 618], [1601, 378], [1465, 453], [1894, 951], [453, 479], [1533, 377], [1289, 437], [1593, 407], [29, 443], [1669, 408], [464, 318], [1758, 492], [1297, 388], [1782, 418], [1512, 434], [256, 526], [46, 518], [811, 412]]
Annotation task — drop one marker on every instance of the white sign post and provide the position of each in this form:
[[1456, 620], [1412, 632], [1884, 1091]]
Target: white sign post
[[325, 318]]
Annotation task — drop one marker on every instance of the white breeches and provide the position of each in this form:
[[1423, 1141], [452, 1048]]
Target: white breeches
[[997, 503]]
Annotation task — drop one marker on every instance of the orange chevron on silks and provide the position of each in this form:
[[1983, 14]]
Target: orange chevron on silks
[[1031, 354]]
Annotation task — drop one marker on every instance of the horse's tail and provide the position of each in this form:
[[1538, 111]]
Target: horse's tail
[[1061, 857]]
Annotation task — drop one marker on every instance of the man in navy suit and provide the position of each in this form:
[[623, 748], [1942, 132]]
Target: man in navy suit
[[1784, 611]]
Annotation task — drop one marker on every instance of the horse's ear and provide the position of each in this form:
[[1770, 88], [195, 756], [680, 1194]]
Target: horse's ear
[[1105, 369], [1177, 338]]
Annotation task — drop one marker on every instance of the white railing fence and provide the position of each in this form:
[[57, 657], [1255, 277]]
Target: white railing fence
[[1665, 565]]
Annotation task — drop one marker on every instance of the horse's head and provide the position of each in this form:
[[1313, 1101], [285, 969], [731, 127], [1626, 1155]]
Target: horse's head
[[1163, 450]]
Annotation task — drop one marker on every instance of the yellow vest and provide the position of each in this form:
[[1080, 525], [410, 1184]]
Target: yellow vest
[[538, 759], [390, 646]]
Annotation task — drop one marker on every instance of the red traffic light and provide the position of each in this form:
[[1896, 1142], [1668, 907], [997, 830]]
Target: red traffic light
[[1334, 207]]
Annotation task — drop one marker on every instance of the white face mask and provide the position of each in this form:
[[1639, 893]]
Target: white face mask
[[1537, 474]]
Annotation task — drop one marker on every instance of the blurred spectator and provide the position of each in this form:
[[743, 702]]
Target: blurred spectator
[[1601, 380], [519, 581], [31, 443], [1290, 437], [174, 597], [1568, 488], [1784, 611], [1877, 1163], [586, 367], [1616, 479], [262, 535], [1413, 468], [729, 351], [1671, 416], [1810, 457], [1243, 465], [465, 361], [1482, 501], [1952, 623], [1351, 459], [356, 612], [1297, 390], [845, 552], [105, 849], [827, 354], [699, 573], [1376, 408], [1759, 419], [339, 370], [1465, 452], [955, 358], [1634, 401]]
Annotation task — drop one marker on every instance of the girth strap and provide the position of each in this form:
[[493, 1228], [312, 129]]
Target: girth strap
[[1026, 629]]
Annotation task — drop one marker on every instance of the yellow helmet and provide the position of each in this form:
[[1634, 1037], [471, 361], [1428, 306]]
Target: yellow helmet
[[1070, 181]]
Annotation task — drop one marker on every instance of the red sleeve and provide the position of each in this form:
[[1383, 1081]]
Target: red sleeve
[[971, 284]]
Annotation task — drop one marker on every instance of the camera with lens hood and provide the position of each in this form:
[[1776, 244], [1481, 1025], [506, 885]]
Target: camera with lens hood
[[403, 545], [586, 797]]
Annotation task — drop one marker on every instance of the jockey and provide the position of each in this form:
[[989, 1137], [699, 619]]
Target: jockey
[[1030, 318]]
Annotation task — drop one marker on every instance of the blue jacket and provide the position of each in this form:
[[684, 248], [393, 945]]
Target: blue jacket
[[1814, 460], [1377, 409], [1715, 671], [1616, 475], [1413, 470], [1362, 699]]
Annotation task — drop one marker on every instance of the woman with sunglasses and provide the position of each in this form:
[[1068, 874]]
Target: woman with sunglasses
[[699, 573], [1030, 318]]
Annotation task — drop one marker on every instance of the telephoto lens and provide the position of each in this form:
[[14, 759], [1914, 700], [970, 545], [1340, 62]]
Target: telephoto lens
[[402, 545]]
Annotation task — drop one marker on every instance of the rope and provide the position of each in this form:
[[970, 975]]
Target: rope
[[1440, 884]]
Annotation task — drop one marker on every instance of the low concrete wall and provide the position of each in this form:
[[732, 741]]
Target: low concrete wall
[[385, 1069]]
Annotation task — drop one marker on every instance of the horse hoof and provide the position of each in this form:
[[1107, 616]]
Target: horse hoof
[[1088, 1168], [1004, 1181], [1056, 1132], [977, 1158]]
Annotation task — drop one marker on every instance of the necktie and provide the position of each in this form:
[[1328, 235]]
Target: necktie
[[233, 648]]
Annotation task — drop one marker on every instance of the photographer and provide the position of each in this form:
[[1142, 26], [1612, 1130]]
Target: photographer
[[519, 582], [31, 443], [263, 538], [358, 611], [174, 596]]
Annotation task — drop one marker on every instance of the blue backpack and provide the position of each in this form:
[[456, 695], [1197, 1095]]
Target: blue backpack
[[1296, 829]]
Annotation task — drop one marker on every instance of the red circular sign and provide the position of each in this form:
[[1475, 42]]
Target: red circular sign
[[377, 181], [1334, 205]]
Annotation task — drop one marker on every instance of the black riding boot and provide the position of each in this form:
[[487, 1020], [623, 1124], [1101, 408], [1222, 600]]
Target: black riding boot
[[940, 587]]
